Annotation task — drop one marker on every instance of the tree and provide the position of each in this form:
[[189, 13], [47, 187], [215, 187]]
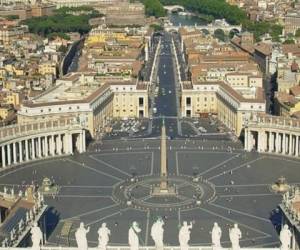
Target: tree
[[154, 8], [289, 41], [12, 17], [156, 27]]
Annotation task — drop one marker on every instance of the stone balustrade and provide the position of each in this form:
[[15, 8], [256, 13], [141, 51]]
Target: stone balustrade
[[127, 248], [22, 143]]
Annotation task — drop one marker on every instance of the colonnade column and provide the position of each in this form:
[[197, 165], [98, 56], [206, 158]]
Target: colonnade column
[[70, 143], [270, 142], [46, 146], [15, 160], [59, 144], [8, 154], [291, 144], [39, 147], [26, 150], [83, 141], [246, 140], [52, 145], [283, 143], [278, 143], [20, 151], [297, 146], [33, 151], [3, 156]]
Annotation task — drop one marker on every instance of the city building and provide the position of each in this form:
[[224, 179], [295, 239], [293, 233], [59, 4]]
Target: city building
[[125, 14], [292, 22], [92, 100], [232, 107]]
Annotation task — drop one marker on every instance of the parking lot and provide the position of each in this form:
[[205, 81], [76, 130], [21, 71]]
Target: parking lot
[[127, 127]]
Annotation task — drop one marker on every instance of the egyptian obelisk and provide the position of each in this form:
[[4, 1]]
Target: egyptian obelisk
[[163, 189], [163, 159]]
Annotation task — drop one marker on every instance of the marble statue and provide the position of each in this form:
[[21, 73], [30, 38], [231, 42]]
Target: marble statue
[[103, 236], [133, 236], [36, 237], [184, 235], [157, 233], [216, 234], [285, 238], [80, 236], [235, 235]]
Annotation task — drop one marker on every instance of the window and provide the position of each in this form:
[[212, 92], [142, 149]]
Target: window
[[141, 101], [59, 109], [49, 110], [42, 111], [188, 101]]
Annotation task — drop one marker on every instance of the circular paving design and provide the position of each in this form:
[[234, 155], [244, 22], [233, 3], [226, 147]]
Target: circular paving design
[[138, 193], [95, 187]]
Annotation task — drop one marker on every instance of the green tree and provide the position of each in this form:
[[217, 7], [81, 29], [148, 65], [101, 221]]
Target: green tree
[[154, 8], [289, 41], [156, 27], [12, 17]]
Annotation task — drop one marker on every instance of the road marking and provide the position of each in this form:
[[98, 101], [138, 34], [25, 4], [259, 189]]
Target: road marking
[[109, 165], [219, 164], [66, 186], [152, 163], [240, 212], [95, 170], [105, 217], [242, 185], [18, 168], [147, 228], [208, 244], [238, 167], [248, 195], [233, 221], [177, 165], [82, 196], [124, 153], [90, 212], [283, 159], [266, 244]]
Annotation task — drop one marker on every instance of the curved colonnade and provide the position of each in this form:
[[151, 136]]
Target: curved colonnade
[[273, 134], [23, 143]]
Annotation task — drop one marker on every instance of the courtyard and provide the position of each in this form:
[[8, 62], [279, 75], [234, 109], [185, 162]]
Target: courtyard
[[234, 188]]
